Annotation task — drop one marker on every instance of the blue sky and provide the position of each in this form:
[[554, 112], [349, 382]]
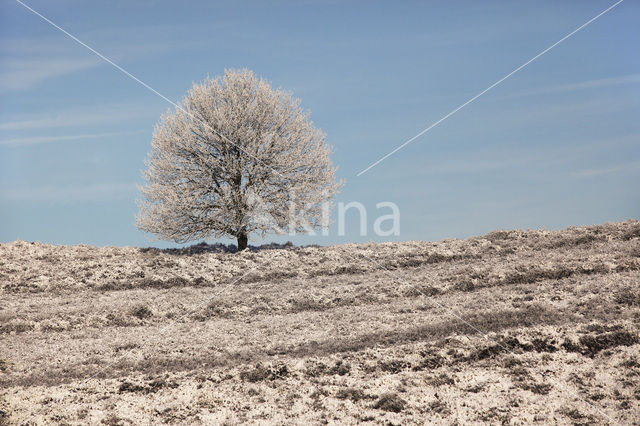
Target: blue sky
[[555, 145]]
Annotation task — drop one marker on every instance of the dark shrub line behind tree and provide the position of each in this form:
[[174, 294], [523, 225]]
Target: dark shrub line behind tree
[[236, 157]]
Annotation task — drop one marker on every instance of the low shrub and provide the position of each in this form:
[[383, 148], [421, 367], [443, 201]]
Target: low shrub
[[590, 345], [318, 369], [632, 232], [628, 296], [261, 373], [537, 388], [352, 394], [440, 408], [394, 366], [16, 327], [390, 402], [141, 312]]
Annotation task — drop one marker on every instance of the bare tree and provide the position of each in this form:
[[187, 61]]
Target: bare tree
[[234, 158]]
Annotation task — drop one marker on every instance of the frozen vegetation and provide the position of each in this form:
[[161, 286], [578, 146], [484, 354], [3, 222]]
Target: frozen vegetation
[[510, 327]]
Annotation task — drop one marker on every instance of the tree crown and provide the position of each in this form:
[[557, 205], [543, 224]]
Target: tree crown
[[235, 157]]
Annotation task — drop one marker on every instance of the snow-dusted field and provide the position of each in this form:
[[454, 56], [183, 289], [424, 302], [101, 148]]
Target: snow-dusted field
[[513, 326]]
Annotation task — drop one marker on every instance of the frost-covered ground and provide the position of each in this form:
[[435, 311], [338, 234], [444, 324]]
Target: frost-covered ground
[[511, 327]]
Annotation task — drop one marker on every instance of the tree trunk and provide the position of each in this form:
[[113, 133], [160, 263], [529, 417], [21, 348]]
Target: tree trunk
[[242, 241]]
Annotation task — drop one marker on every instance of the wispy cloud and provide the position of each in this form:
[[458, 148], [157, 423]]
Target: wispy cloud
[[565, 158], [29, 62], [48, 139], [21, 74], [582, 85], [600, 171], [77, 117], [71, 193]]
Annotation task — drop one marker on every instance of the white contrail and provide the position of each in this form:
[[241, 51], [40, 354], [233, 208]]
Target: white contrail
[[489, 88]]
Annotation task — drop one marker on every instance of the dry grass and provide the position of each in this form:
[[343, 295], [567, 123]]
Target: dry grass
[[511, 327]]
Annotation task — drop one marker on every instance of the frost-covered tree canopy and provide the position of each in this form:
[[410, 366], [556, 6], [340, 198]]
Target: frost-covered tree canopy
[[235, 157]]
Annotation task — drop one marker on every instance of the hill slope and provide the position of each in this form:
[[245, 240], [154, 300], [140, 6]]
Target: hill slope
[[532, 326]]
